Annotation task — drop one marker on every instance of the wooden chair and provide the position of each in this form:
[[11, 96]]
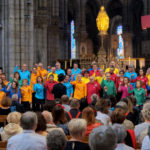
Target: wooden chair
[[3, 145], [3, 119]]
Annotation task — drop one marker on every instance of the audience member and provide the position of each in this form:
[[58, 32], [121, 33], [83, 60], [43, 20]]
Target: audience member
[[6, 105], [13, 126], [103, 138], [121, 135], [77, 129], [60, 118], [65, 102], [15, 106], [28, 139], [50, 125], [56, 140], [102, 112], [88, 115], [74, 111], [41, 126], [143, 126]]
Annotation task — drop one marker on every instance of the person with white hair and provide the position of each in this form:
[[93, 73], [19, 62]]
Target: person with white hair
[[103, 138], [121, 135], [13, 126], [77, 129], [28, 139], [56, 140]]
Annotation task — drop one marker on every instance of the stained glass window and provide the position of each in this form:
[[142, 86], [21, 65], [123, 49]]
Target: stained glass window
[[73, 41], [120, 49]]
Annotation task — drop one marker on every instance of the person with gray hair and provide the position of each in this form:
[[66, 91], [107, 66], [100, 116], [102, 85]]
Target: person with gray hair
[[56, 140], [121, 135], [77, 130], [28, 139], [102, 138]]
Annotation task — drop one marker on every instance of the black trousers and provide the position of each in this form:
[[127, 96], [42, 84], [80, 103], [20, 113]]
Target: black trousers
[[26, 106], [39, 104], [33, 102]]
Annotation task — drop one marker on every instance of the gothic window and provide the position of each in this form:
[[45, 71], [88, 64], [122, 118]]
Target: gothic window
[[73, 41], [120, 49]]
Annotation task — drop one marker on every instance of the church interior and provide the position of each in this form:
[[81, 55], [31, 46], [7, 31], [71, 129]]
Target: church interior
[[33, 31]]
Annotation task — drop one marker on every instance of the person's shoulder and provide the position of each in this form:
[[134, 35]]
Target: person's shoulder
[[15, 137], [139, 126], [39, 137]]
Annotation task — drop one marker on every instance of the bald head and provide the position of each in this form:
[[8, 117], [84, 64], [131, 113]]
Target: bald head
[[48, 116]]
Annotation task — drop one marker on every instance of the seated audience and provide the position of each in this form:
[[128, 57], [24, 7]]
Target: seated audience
[[50, 125], [101, 138], [60, 118], [77, 129], [15, 106], [65, 102], [146, 141], [13, 126], [143, 126], [5, 103], [118, 116], [121, 135], [88, 115], [28, 139], [41, 126], [127, 123], [56, 140], [102, 112], [74, 111]]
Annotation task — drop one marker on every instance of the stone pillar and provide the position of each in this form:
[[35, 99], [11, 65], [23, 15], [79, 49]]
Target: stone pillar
[[17, 25]]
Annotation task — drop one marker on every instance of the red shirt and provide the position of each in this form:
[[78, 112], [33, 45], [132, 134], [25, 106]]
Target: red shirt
[[143, 79], [49, 85], [92, 88], [114, 78], [91, 127], [97, 73]]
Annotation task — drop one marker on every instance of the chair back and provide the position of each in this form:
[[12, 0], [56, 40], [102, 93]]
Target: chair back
[[3, 119], [3, 145]]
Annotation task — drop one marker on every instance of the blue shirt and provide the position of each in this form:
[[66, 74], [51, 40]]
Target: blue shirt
[[69, 88], [4, 89], [129, 74], [39, 91], [23, 75], [60, 71], [27, 140], [11, 93], [75, 72]]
